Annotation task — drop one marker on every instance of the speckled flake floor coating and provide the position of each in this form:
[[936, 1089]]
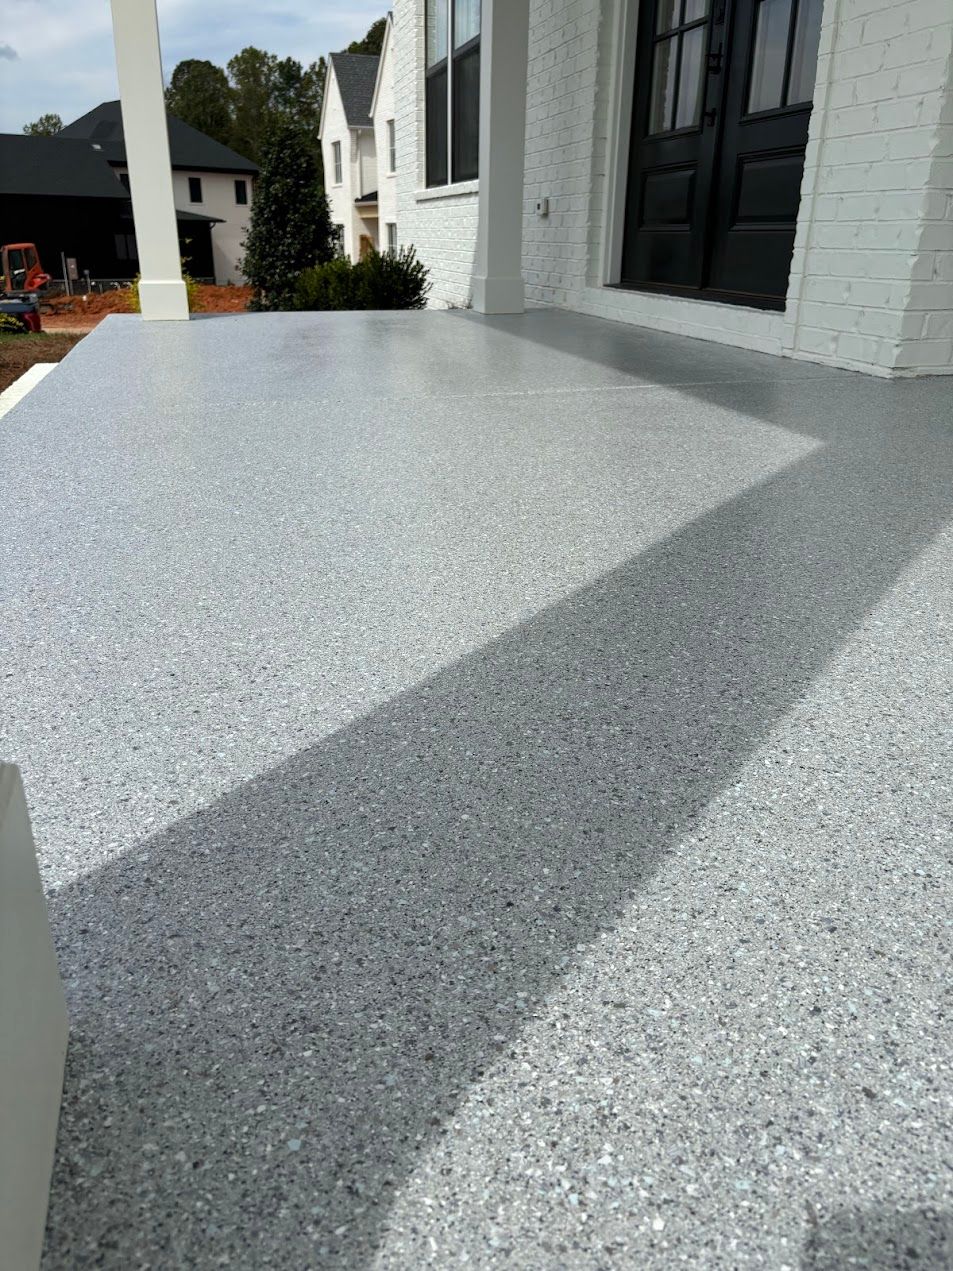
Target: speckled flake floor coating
[[493, 782]]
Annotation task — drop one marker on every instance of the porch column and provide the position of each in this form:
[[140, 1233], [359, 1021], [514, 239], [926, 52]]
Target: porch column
[[139, 65], [497, 268]]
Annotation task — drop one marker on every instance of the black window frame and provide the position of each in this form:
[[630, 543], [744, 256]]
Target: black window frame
[[241, 186], [452, 116], [195, 183]]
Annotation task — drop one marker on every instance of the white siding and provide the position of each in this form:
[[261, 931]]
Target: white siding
[[358, 170]]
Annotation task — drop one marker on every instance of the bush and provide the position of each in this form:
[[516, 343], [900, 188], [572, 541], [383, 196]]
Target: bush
[[382, 280], [191, 292]]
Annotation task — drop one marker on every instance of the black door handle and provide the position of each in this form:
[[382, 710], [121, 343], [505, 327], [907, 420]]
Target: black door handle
[[714, 62], [710, 116]]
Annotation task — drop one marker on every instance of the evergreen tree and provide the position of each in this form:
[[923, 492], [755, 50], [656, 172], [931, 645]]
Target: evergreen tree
[[372, 42], [45, 126], [199, 94], [290, 227]]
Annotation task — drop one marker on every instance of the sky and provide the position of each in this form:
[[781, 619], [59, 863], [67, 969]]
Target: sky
[[57, 55]]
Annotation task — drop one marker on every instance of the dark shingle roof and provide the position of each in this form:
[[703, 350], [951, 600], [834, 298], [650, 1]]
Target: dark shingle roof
[[55, 165], [356, 74], [188, 147]]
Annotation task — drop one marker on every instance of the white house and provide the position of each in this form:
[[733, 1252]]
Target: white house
[[211, 183], [385, 140], [349, 151], [774, 174]]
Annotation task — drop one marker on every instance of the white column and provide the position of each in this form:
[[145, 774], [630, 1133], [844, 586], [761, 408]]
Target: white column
[[139, 64], [497, 268]]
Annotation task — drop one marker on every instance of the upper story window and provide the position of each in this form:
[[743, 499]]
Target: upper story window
[[241, 192], [391, 147], [336, 151], [452, 90], [195, 189]]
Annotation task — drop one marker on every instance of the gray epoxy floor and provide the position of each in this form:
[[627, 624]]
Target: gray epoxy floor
[[493, 781]]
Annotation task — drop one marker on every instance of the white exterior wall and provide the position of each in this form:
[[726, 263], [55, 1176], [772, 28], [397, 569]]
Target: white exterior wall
[[358, 170], [872, 275], [441, 224], [384, 111], [218, 199]]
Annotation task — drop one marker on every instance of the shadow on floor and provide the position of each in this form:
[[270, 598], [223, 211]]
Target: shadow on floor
[[285, 997], [881, 1240]]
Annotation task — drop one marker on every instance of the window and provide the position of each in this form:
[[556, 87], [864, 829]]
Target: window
[[391, 147], [678, 65], [452, 90], [241, 192], [195, 189], [336, 151], [391, 236], [784, 54], [337, 239]]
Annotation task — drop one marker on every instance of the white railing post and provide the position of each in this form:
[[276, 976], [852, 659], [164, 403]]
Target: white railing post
[[497, 267], [162, 292]]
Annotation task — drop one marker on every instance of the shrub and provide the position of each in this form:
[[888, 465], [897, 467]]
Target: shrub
[[191, 292], [11, 325], [388, 280]]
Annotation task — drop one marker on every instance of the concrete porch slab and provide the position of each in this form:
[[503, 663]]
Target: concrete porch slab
[[492, 779]]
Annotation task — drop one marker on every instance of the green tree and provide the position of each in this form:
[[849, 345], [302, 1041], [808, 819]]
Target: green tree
[[253, 74], [372, 42], [45, 126], [290, 227], [199, 94]]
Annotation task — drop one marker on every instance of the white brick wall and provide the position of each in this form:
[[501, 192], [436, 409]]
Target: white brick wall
[[872, 274], [441, 224]]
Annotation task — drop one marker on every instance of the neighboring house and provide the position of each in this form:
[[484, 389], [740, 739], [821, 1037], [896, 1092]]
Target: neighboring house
[[350, 155], [775, 174], [208, 180], [61, 194], [385, 141]]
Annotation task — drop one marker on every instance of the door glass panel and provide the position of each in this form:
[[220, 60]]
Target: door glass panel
[[688, 110], [695, 9], [663, 86], [666, 15], [769, 52], [807, 36]]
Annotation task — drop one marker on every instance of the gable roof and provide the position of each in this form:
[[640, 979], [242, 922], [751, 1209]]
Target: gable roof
[[56, 166], [356, 75], [385, 50], [189, 148]]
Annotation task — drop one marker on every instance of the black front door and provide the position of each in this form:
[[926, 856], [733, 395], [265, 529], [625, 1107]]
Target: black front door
[[722, 102]]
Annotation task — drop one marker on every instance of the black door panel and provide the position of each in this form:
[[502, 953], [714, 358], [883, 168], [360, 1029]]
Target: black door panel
[[718, 143]]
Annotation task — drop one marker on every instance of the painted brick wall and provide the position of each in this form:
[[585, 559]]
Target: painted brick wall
[[441, 226], [872, 274]]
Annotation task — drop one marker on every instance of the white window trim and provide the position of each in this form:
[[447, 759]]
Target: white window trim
[[337, 161], [391, 130], [432, 192]]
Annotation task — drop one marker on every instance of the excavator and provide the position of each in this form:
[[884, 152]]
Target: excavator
[[22, 278]]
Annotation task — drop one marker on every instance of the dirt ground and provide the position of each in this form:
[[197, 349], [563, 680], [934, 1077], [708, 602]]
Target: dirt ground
[[83, 313], [19, 352]]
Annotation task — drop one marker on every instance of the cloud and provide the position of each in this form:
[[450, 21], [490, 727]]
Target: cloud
[[8, 53]]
